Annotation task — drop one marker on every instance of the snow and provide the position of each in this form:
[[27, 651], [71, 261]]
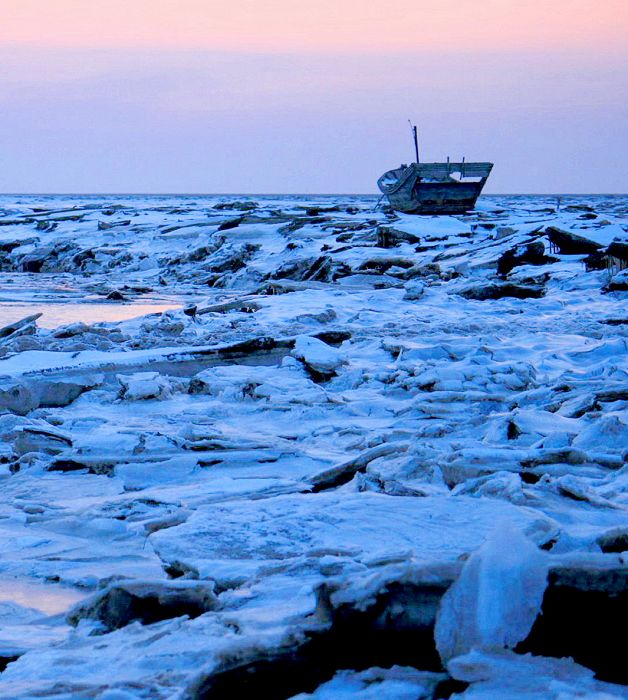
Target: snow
[[320, 429], [432, 227]]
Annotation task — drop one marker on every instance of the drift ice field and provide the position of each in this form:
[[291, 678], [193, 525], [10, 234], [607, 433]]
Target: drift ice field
[[304, 447]]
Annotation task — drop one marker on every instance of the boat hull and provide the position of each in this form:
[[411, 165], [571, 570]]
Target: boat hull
[[436, 198], [435, 188]]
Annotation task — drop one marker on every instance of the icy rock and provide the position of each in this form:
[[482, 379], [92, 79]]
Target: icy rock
[[414, 291], [504, 485], [23, 395], [619, 282], [615, 540], [146, 602], [531, 254], [169, 322], [17, 397], [143, 385], [24, 339], [34, 262], [72, 329], [427, 270], [501, 290], [6, 246], [323, 317], [570, 243], [135, 662], [63, 391], [342, 473], [497, 597], [390, 236], [320, 358], [240, 205]]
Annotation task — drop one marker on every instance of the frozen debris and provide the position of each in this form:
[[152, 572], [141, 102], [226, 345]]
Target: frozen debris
[[78, 328], [497, 598]]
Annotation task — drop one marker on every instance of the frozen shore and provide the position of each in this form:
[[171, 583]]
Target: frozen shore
[[368, 455]]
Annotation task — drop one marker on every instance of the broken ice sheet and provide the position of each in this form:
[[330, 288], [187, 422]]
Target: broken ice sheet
[[304, 357], [511, 676], [235, 540]]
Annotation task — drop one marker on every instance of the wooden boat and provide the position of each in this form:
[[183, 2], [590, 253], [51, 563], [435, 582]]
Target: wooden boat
[[434, 188]]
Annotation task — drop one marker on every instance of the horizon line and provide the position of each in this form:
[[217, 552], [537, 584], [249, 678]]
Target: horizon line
[[291, 194]]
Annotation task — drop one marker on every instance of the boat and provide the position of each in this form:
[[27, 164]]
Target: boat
[[434, 188]]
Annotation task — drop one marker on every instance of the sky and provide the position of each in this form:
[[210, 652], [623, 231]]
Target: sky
[[278, 96]]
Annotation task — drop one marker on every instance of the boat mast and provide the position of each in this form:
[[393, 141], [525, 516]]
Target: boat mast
[[416, 139]]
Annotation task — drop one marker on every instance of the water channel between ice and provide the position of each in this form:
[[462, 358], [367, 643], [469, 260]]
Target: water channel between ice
[[65, 312]]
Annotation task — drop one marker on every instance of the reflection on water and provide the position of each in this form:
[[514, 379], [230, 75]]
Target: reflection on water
[[60, 314], [51, 599]]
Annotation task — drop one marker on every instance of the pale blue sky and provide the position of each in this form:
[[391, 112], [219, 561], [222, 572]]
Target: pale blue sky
[[124, 119]]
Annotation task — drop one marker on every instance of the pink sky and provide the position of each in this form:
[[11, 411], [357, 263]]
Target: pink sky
[[321, 25], [309, 95]]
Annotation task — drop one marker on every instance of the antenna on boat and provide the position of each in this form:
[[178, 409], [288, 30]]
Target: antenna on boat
[[416, 139]]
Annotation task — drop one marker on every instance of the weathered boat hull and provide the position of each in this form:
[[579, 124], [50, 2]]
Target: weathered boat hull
[[429, 188], [436, 198]]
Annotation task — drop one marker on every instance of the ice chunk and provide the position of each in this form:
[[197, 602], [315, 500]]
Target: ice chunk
[[317, 355], [143, 385], [496, 599], [509, 676], [608, 432], [398, 683]]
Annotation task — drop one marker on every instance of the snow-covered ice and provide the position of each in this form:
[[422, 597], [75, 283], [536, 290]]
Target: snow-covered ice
[[343, 453]]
